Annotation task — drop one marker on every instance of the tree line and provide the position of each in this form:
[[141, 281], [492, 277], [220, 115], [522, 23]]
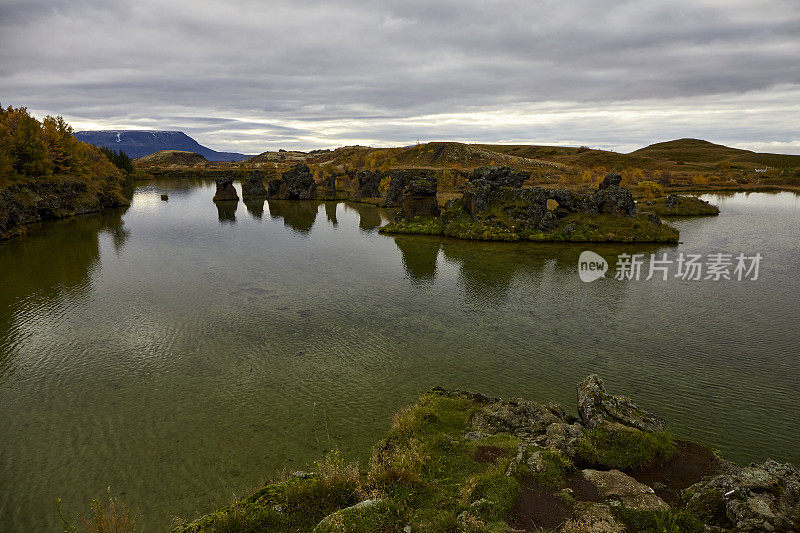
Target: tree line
[[30, 149]]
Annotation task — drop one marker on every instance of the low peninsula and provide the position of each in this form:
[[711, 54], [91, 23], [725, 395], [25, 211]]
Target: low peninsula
[[495, 206]]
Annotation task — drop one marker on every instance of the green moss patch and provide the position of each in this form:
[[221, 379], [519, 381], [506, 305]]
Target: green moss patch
[[672, 521], [686, 206], [624, 448]]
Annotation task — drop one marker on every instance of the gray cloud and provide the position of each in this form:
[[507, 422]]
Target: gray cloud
[[252, 75]]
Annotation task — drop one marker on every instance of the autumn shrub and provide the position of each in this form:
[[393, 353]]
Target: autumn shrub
[[650, 189]]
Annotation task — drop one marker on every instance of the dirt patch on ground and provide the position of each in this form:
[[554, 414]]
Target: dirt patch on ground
[[538, 507], [690, 464], [582, 489], [490, 454]]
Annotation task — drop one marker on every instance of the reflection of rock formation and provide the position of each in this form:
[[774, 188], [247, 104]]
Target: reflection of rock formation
[[299, 216], [226, 211], [330, 212], [255, 208], [369, 216], [225, 190], [486, 271], [419, 255]]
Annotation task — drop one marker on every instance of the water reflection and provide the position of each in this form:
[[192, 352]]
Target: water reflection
[[299, 216], [51, 267], [369, 216], [330, 213], [255, 207], [226, 211], [338, 319], [419, 255]]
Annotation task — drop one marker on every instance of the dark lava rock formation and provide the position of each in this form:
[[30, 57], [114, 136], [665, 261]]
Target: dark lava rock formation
[[225, 190], [495, 206], [595, 405], [399, 179], [612, 198], [253, 185], [297, 183], [368, 183], [419, 198]]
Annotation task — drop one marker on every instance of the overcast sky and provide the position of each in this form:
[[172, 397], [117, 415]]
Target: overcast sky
[[250, 76]]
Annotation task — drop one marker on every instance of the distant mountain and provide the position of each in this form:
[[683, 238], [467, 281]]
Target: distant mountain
[[138, 143]]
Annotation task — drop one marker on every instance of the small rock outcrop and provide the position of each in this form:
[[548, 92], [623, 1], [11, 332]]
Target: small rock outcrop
[[762, 497], [680, 206], [225, 190], [253, 185], [333, 521], [400, 178], [611, 198], [614, 486], [496, 177], [297, 183], [672, 200], [596, 406], [518, 417], [419, 198]]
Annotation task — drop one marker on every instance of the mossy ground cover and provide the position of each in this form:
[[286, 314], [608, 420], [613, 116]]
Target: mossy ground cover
[[624, 448], [577, 227], [686, 206]]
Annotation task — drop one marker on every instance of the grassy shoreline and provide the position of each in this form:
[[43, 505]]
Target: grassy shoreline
[[461, 461]]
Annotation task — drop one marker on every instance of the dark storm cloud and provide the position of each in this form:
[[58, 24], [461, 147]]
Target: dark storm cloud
[[250, 74]]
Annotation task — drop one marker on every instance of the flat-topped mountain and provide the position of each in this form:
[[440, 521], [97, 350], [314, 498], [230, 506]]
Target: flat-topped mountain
[[138, 143]]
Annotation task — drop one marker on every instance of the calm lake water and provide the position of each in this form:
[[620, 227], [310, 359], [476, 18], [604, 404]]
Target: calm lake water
[[179, 352]]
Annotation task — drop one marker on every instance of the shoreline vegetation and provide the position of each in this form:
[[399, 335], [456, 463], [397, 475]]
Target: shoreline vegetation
[[462, 461], [679, 206], [47, 174]]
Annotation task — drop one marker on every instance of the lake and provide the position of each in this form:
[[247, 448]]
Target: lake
[[182, 352]]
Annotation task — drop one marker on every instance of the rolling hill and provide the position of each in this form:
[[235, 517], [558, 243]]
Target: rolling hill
[[171, 157], [699, 151]]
